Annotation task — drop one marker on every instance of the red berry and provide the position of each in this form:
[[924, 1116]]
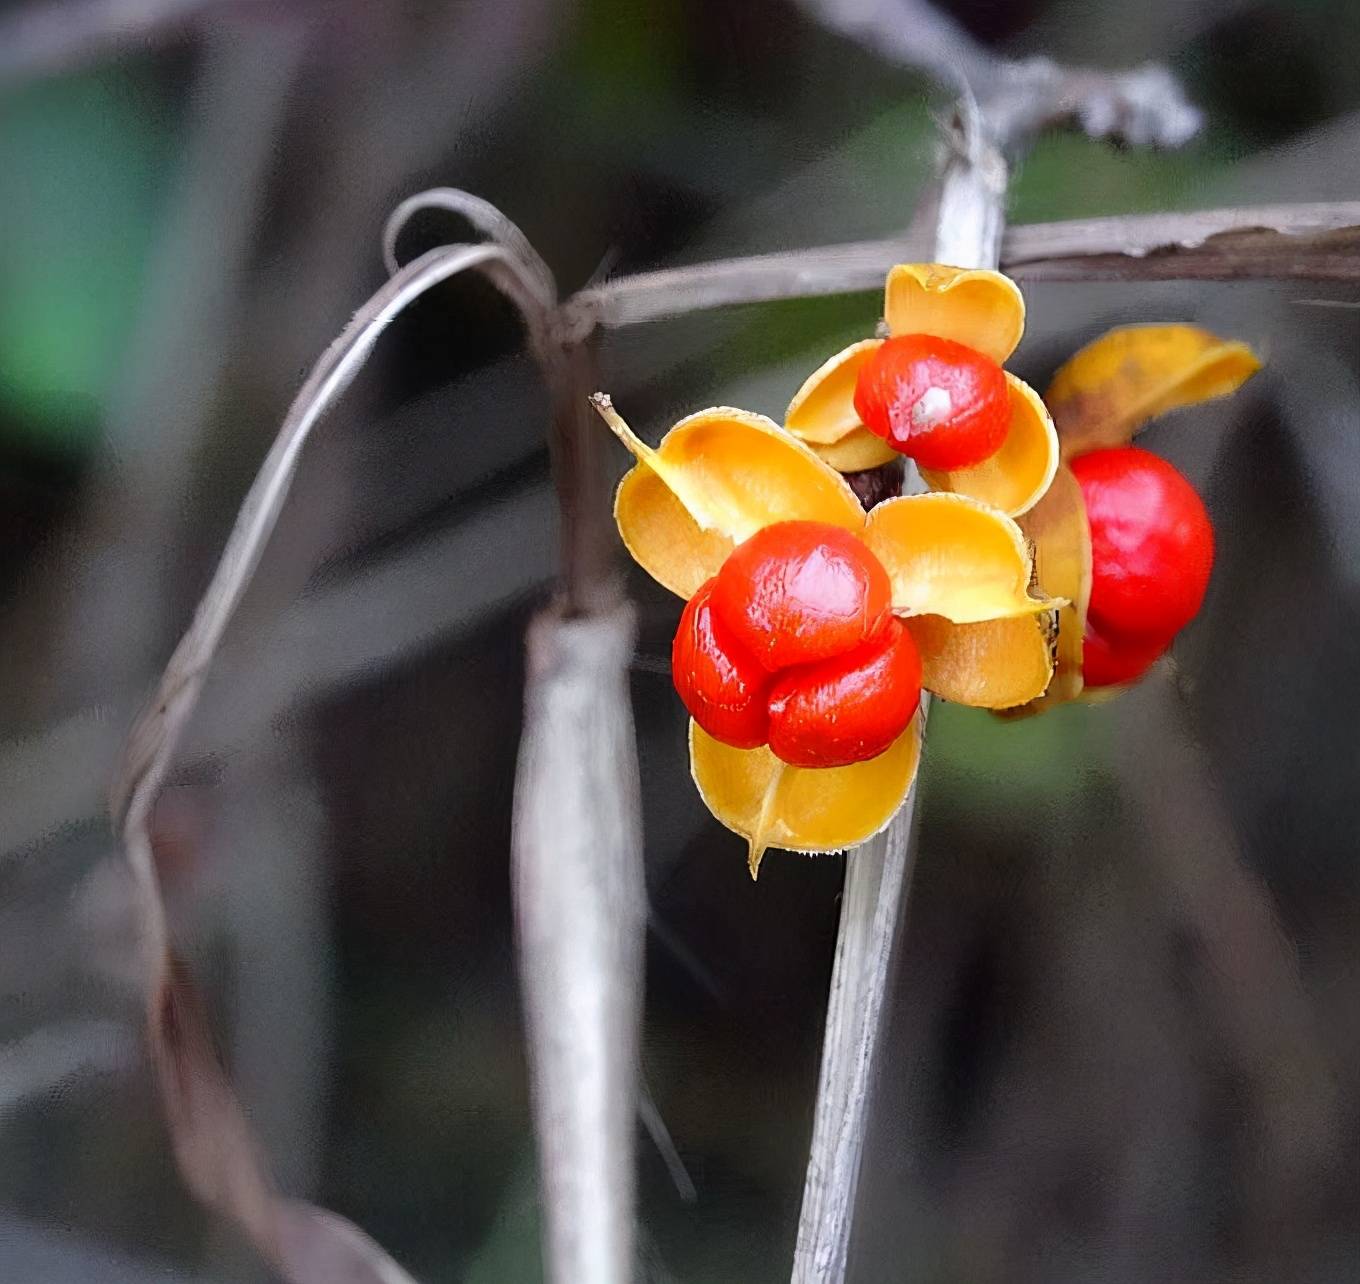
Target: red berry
[[1152, 546], [943, 404], [848, 708], [1111, 664], [720, 683], [796, 592]]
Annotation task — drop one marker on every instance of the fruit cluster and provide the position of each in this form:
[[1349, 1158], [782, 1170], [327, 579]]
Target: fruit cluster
[[945, 406], [793, 644], [1046, 555]]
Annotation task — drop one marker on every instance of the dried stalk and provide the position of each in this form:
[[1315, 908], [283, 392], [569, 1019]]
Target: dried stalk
[[970, 218], [579, 916], [1276, 242], [566, 360], [1317, 242], [576, 854], [213, 1141], [576, 841], [877, 876]]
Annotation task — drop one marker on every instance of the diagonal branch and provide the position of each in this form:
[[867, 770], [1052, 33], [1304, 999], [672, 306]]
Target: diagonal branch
[[1318, 242], [153, 741]]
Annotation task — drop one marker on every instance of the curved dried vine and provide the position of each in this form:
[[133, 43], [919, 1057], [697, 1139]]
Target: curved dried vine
[[214, 1145]]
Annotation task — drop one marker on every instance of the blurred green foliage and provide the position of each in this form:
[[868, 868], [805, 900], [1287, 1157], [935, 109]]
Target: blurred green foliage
[[625, 76], [85, 160]]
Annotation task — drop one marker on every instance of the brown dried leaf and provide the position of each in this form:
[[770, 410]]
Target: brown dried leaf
[[1105, 393]]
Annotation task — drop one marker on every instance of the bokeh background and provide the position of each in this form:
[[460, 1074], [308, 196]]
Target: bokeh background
[[1125, 1025]]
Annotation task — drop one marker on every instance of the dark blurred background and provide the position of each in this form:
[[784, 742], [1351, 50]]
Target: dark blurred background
[[1125, 1029]]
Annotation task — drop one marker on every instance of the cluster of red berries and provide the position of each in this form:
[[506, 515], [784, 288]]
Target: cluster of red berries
[[793, 644], [947, 406], [1152, 549]]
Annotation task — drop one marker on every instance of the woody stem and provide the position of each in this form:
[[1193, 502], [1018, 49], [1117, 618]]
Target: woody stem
[[969, 226]]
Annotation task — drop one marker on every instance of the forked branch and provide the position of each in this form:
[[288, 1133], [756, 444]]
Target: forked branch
[[1141, 106]]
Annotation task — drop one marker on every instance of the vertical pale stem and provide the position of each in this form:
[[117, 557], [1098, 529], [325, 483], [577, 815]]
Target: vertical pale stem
[[579, 907], [577, 852], [876, 880], [972, 212], [878, 873]]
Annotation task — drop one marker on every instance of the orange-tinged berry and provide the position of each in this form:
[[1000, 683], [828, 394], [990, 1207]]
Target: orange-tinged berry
[[720, 683], [848, 708], [1152, 546], [798, 592], [1106, 663], [939, 402]]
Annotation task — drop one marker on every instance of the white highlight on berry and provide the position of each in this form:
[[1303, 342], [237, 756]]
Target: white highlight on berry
[[933, 407]]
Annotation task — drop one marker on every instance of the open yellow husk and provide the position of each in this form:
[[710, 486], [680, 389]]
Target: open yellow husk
[[822, 809], [1062, 560], [724, 474], [952, 556], [993, 664], [822, 411], [1106, 392], [976, 307]]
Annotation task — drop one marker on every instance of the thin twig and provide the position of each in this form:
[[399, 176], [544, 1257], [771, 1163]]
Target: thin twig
[[1142, 106], [1248, 254], [566, 361], [665, 1145], [970, 218], [1311, 241], [488, 221], [877, 877], [153, 741], [214, 1142]]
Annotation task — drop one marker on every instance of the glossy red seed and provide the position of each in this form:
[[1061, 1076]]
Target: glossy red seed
[[1106, 663], [720, 683], [1152, 546], [941, 403], [797, 592], [849, 708]]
